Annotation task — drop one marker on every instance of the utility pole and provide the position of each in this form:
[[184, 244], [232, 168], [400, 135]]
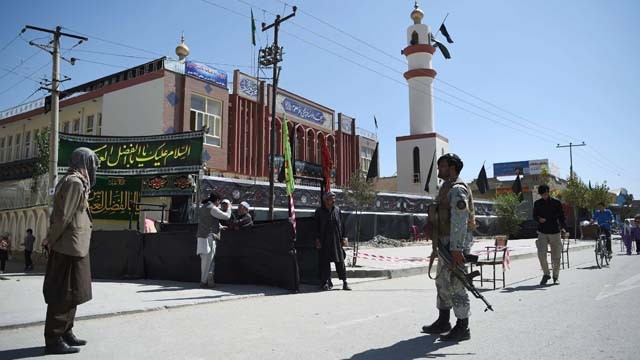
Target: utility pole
[[575, 209], [55, 99], [570, 146], [271, 56]]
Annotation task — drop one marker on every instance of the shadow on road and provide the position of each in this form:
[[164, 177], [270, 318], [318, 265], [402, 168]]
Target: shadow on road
[[592, 267], [25, 353], [419, 347], [525, 288]]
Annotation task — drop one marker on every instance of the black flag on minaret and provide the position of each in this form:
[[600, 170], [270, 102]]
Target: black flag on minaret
[[443, 49], [482, 182], [426, 185], [443, 30]]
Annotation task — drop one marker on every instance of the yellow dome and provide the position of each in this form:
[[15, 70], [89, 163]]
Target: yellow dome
[[417, 14], [182, 50]]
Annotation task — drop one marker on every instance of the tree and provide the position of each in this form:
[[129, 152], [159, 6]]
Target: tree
[[545, 176], [598, 194], [576, 193], [359, 194], [509, 218], [41, 166]]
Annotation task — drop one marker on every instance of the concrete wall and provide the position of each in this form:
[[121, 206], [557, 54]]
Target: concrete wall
[[138, 109], [404, 162]]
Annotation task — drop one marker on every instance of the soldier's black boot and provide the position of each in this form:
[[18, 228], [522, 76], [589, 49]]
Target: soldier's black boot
[[460, 332], [441, 325]]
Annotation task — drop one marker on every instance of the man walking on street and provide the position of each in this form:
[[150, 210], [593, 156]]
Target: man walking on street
[[549, 215], [28, 249], [329, 242], [450, 223]]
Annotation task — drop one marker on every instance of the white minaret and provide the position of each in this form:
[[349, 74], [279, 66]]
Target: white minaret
[[415, 152]]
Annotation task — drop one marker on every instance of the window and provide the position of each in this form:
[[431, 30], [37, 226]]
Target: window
[[99, 128], [27, 145], [319, 143], [2, 150], [310, 146], [207, 113], [66, 127], [365, 158], [76, 126], [89, 125], [16, 150], [8, 148], [36, 132], [416, 165]]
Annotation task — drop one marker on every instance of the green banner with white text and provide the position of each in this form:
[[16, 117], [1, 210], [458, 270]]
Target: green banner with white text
[[112, 197], [137, 155]]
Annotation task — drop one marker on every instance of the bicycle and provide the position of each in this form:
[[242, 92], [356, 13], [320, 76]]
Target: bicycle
[[602, 255]]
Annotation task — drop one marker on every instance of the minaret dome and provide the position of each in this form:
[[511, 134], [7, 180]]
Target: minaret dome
[[182, 50], [417, 14]]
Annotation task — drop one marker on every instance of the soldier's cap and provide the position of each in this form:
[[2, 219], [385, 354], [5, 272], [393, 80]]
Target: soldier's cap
[[452, 158]]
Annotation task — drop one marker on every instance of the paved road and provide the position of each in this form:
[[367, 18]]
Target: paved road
[[591, 315]]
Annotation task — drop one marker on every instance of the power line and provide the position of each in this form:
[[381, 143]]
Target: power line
[[23, 76], [22, 62], [536, 129], [11, 41], [114, 42], [102, 63], [536, 126], [359, 40]]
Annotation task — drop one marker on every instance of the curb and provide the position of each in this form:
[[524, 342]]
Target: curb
[[134, 311]]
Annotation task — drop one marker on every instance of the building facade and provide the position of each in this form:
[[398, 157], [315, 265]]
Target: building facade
[[167, 96]]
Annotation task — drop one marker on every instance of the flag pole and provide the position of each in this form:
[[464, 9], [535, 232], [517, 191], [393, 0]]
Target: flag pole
[[445, 19]]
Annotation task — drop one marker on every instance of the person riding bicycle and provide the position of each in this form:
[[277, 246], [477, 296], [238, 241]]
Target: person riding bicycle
[[604, 218]]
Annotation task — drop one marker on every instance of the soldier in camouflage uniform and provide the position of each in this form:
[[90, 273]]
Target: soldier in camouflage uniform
[[450, 229]]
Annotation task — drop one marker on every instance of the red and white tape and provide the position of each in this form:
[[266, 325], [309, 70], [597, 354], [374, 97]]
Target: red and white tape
[[367, 256]]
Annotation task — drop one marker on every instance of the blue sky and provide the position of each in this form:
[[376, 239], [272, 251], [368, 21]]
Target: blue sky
[[526, 75]]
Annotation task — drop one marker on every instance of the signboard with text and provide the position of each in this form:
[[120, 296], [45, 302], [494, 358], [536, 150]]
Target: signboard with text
[[306, 112], [140, 155], [529, 167], [206, 73], [112, 197]]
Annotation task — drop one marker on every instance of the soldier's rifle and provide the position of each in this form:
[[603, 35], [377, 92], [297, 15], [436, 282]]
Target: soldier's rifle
[[444, 254]]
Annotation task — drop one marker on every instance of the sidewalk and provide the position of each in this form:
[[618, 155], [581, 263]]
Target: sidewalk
[[413, 260], [23, 305]]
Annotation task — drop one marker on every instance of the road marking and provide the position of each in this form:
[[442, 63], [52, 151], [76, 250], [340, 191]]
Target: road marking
[[626, 285], [368, 318]]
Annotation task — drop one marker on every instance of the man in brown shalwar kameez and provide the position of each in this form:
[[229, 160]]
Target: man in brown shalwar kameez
[[67, 281], [329, 242]]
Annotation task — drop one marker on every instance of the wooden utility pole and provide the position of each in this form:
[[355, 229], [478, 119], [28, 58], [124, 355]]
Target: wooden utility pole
[[271, 56], [575, 209], [55, 100]]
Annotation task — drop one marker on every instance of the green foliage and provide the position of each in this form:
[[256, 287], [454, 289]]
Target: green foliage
[[598, 194], [509, 218], [41, 167], [359, 192], [627, 208], [576, 193], [545, 176]]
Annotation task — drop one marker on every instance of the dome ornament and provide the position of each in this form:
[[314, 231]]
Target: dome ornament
[[417, 14], [182, 50]]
